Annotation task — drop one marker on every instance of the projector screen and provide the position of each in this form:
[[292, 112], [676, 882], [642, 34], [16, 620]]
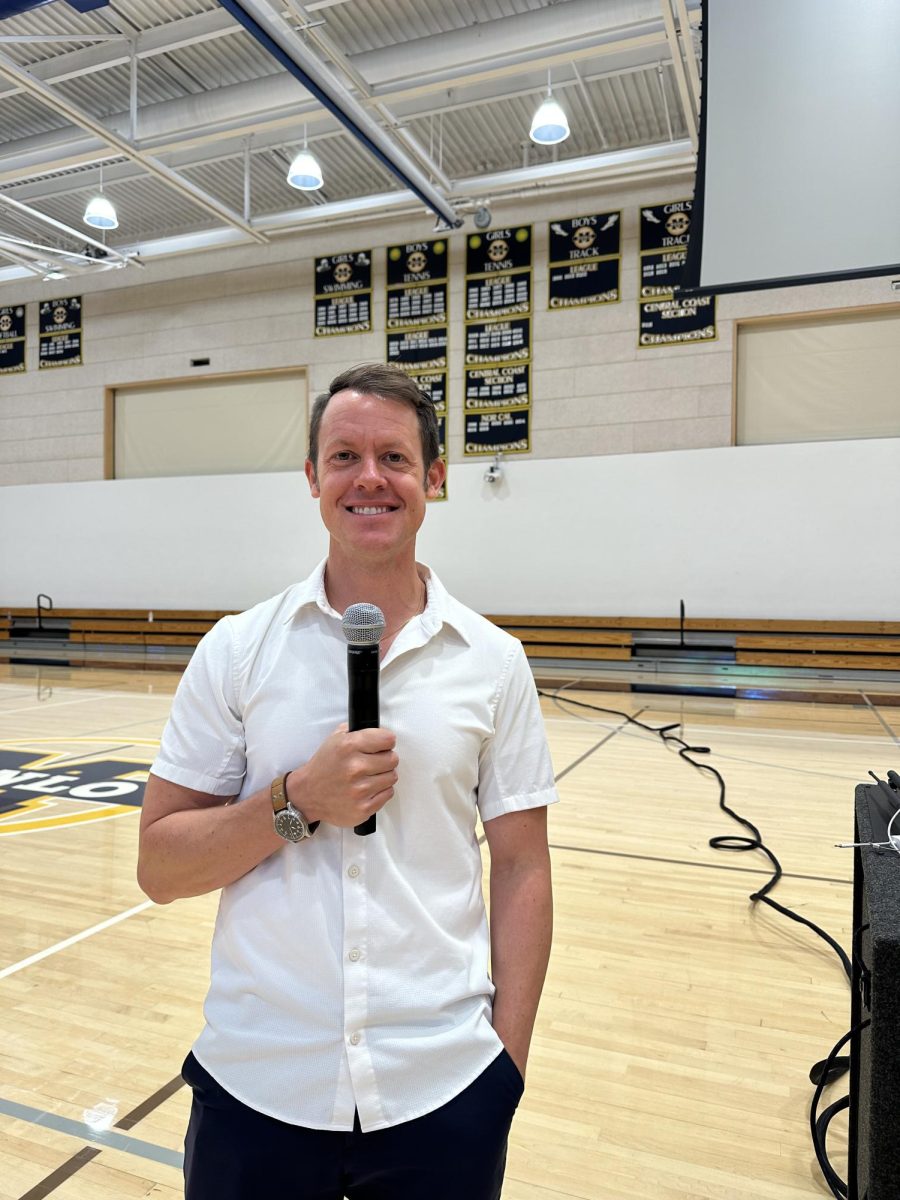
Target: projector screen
[[798, 176]]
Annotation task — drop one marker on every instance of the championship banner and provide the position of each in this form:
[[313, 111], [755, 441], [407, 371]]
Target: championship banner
[[417, 331], [498, 273], [417, 284], [59, 330], [506, 432], [343, 294], [498, 387], [418, 349], [584, 261], [435, 383], [12, 338], [498, 341], [497, 377], [665, 319]]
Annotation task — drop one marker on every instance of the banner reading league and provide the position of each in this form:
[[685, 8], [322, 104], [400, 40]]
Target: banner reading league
[[343, 293], [584, 261], [12, 338], [664, 318], [59, 330]]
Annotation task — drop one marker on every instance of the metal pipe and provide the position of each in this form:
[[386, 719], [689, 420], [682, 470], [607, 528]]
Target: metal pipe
[[276, 36]]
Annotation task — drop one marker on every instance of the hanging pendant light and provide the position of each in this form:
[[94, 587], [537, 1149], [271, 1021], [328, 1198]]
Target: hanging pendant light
[[100, 212], [304, 173], [549, 124]]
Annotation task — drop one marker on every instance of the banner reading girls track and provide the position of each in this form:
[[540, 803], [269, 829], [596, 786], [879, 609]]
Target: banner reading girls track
[[665, 318]]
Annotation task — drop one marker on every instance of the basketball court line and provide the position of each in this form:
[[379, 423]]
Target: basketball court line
[[96, 1137], [684, 862], [876, 713], [76, 937]]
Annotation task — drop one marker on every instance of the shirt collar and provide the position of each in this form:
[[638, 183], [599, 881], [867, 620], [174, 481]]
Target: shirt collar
[[440, 607]]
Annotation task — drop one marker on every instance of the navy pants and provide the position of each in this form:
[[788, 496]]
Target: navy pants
[[457, 1152]]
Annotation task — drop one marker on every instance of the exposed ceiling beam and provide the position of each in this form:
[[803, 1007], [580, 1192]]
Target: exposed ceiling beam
[[153, 165], [687, 106]]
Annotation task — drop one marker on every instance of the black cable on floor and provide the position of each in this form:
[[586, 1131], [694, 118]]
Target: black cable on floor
[[732, 842]]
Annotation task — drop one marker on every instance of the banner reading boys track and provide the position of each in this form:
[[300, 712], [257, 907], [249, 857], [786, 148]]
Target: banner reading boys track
[[584, 261], [665, 317], [343, 296], [506, 432], [12, 338], [59, 332]]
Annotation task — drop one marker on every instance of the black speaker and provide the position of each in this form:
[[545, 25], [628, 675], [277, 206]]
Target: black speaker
[[874, 1149]]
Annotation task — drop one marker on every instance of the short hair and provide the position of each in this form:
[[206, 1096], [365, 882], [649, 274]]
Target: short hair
[[390, 383]]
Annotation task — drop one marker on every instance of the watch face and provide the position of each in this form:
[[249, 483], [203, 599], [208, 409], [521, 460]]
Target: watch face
[[290, 825]]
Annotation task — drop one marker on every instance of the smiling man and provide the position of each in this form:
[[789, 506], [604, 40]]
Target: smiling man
[[355, 1042]]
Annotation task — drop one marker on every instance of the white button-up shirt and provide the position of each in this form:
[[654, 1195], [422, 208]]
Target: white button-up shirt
[[351, 973]]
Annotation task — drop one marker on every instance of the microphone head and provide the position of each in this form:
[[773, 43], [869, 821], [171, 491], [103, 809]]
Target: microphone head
[[363, 624]]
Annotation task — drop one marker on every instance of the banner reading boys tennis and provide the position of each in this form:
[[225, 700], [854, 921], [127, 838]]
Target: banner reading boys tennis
[[59, 330], [416, 274], [667, 319], [344, 293], [584, 261], [12, 338]]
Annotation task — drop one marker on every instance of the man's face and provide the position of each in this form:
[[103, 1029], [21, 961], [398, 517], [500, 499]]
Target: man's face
[[370, 478]]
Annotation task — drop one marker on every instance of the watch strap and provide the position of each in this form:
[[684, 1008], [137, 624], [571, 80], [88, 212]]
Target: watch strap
[[280, 800]]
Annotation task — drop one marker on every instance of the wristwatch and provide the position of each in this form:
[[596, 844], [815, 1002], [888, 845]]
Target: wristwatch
[[290, 823]]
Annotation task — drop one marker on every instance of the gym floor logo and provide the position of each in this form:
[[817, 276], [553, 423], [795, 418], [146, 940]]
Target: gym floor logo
[[40, 791]]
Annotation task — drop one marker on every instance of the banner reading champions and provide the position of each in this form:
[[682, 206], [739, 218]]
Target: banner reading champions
[[12, 338], [584, 255], [417, 322], [498, 342], [59, 330], [666, 319], [343, 290]]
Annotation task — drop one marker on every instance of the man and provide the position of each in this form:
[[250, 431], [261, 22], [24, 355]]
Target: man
[[354, 1043]]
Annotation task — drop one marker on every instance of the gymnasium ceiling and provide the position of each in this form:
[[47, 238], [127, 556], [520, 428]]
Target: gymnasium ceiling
[[195, 123]]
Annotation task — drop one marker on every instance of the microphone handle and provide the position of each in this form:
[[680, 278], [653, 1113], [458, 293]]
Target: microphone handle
[[362, 676]]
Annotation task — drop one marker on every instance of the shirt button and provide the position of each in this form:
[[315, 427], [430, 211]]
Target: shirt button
[[354, 955], [355, 1039], [353, 871]]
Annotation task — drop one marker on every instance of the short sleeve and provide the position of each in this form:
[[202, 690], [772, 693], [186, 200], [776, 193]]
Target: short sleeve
[[203, 745], [515, 771]]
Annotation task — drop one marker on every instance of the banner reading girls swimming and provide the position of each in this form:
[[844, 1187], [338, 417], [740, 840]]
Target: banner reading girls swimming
[[665, 317], [343, 293]]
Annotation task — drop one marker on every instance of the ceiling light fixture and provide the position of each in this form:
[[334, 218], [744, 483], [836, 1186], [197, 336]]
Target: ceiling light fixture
[[304, 173], [549, 124], [100, 212]]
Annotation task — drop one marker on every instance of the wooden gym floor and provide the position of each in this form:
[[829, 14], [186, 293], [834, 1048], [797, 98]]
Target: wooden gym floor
[[679, 1022]]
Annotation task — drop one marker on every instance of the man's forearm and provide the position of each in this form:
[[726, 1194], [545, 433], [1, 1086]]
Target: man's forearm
[[521, 933], [199, 850]]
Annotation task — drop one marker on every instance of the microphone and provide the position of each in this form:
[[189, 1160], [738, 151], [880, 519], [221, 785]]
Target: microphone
[[363, 626]]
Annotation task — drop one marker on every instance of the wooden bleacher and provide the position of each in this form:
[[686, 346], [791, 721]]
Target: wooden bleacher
[[831, 645]]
